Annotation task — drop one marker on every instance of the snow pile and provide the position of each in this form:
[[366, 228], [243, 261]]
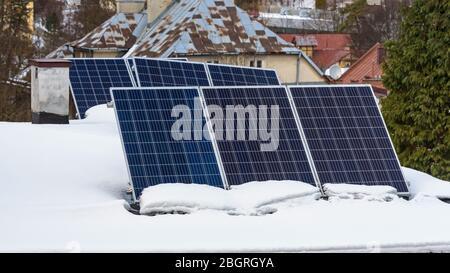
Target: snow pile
[[360, 192], [183, 198], [425, 184], [248, 199], [100, 114], [259, 194]]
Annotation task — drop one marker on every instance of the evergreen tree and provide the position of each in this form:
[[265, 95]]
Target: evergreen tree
[[52, 23], [417, 73], [54, 37]]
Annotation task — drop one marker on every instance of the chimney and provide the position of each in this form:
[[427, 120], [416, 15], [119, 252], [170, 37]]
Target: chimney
[[156, 7], [130, 6], [50, 91]]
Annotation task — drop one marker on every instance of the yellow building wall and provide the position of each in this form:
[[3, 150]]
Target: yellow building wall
[[97, 54], [107, 54], [285, 65], [30, 6]]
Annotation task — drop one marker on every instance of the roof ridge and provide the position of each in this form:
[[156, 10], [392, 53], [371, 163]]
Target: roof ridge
[[213, 26], [114, 28], [352, 67], [152, 25]]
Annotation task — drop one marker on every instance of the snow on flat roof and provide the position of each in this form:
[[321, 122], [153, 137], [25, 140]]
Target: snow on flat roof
[[63, 189], [249, 199]]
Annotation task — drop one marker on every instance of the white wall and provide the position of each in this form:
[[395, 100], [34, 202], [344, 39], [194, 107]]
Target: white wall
[[50, 91]]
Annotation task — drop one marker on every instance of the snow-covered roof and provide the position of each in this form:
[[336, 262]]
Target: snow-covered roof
[[205, 27], [119, 32], [282, 21], [73, 202], [61, 52]]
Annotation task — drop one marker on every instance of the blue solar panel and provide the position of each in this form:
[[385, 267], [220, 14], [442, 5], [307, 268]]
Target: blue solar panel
[[224, 75], [160, 73], [90, 80], [244, 159], [347, 136], [153, 155]]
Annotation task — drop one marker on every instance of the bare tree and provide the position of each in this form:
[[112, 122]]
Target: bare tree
[[91, 14], [369, 24], [16, 45]]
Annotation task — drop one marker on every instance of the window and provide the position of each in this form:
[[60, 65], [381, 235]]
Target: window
[[308, 50], [258, 63], [36, 73]]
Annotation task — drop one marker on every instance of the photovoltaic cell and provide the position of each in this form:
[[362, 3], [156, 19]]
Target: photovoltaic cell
[[224, 75], [347, 136], [91, 80], [153, 155], [160, 73], [245, 160]]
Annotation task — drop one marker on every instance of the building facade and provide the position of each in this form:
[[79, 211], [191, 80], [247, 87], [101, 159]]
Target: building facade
[[199, 30]]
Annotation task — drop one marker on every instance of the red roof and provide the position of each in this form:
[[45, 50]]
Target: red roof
[[368, 69], [326, 58], [328, 48], [323, 41]]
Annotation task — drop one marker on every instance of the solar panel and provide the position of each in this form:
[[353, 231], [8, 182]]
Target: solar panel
[[130, 64], [160, 73], [347, 136], [225, 75], [90, 80], [245, 158], [153, 154], [179, 59]]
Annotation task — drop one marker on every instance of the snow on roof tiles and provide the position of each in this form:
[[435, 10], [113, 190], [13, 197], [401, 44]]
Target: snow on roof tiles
[[119, 32], [61, 52], [204, 27]]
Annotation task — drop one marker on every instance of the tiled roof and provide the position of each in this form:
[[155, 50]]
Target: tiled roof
[[205, 27], [120, 32], [61, 52], [326, 58], [368, 67], [378, 88], [296, 22], [307, 40], [328, 48], [321, 41]]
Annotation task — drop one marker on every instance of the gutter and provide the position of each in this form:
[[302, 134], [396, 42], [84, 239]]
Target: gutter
[[108, 49]]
